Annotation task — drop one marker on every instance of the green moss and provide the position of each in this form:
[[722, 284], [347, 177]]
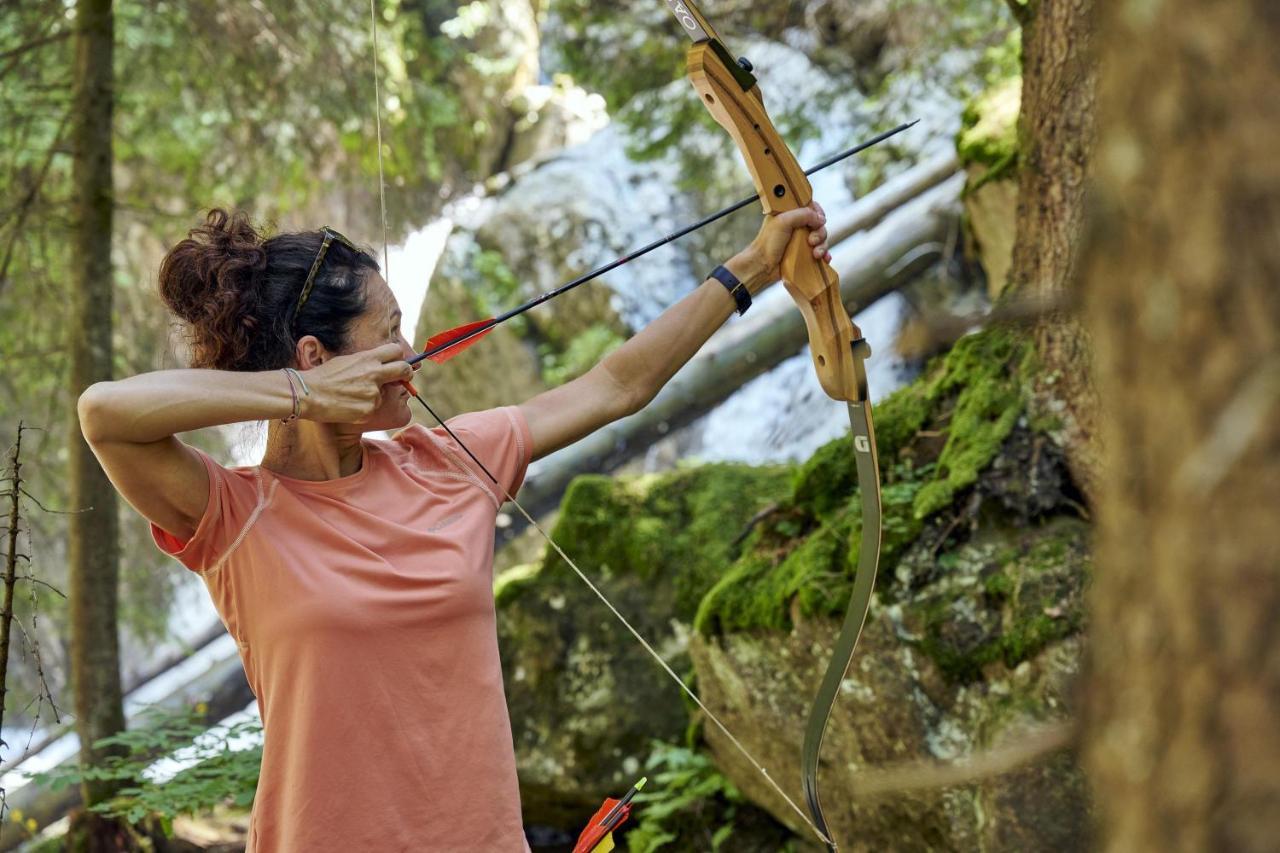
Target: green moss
[[736, 548], [508, 585], [988, 370], [989, 130], [680, 529], [1023, 604], [804, 555], [998, 585], [758, 591]]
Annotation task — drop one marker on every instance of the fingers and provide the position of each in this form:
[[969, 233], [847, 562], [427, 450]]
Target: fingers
[[394, 371], [811, 217], [389, 352], [394, 367], [818, 235], [803, 217]]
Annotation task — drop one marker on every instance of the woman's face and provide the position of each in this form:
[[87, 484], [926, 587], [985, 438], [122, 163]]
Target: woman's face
[[378, 325]]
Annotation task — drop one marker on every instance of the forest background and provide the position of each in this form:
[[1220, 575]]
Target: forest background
[[1073, 641]]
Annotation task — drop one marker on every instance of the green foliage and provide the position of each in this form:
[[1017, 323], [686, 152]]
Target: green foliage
[[491, 282], [266, 106], [633, 52], [220, 775], [682, 781]]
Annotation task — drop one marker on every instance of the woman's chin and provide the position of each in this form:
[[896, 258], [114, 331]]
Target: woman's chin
[[390, 417]]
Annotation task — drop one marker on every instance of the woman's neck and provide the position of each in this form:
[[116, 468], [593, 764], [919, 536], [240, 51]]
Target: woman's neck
[[307, 450]]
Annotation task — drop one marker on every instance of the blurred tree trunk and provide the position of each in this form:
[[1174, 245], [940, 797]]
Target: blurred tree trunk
[[94, 550], [1055, 143], [1181, 283]]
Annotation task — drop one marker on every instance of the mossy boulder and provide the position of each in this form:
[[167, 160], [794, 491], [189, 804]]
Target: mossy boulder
[[740, 577], [586, 700]]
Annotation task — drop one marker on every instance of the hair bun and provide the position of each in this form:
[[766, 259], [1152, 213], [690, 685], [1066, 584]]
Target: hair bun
[[210, 280]]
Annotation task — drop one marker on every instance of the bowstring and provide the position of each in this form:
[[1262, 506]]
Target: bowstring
[[648, 647], [377, 112], [457, 461]]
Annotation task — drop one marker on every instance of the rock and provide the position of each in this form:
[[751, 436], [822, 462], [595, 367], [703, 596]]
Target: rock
[[988, 145], [586, 701], [973, 637], [990, 211]]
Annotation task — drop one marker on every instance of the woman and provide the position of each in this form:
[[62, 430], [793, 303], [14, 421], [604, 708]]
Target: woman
[[356, 575]]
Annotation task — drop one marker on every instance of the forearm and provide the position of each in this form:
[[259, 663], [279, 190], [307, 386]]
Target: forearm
[[645, 363], [152, 406]]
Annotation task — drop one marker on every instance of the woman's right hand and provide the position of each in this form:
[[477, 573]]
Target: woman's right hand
[[349, 388]]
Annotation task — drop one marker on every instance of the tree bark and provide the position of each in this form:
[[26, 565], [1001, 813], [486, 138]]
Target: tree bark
[[94, 549], [1055, 141], [1180, 295]]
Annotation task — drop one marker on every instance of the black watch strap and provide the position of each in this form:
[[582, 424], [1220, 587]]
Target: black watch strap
[[738, 290]]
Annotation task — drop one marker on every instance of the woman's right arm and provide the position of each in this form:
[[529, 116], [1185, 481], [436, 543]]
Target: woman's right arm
[[131, 424]]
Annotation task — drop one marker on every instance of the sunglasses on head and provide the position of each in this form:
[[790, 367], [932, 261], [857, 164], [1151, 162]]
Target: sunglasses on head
[[330, 236]]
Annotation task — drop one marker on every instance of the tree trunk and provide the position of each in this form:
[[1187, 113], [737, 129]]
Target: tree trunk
[[94, 550], [1055, 142], [1181, 298]]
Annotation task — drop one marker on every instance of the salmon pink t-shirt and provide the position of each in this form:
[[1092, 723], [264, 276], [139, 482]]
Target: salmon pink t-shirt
[[363, 610]]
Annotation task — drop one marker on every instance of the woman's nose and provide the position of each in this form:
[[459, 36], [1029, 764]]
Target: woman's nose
[[407, 348]]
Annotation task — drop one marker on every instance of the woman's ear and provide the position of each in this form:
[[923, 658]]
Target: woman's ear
[[309, 352]]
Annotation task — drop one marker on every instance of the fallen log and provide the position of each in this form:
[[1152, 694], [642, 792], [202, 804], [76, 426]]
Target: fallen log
[[868, 211], [157, 669]]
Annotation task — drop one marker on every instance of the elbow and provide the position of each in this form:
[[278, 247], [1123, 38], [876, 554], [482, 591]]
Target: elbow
[[634, 401], [622, 398], [91, 409], [629, 399]]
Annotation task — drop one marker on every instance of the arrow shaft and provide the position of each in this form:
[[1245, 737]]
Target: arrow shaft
[[649, 247]]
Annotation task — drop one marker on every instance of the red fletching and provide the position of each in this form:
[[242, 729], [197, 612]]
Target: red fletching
[[441, 342], [596, 830]]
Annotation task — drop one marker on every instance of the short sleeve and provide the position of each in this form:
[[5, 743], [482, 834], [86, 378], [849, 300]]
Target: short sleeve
[[235, 496], [498, 438]]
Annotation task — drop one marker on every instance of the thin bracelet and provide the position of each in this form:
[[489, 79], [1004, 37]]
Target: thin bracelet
[[306, 392], [293, 392]]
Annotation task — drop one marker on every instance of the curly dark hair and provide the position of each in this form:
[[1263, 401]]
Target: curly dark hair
[[236, 290]]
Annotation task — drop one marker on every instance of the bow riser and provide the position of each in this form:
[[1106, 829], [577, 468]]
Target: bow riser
[[782, 186]]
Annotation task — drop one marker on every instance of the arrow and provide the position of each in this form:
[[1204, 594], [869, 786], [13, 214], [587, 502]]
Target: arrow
[[445, 345]]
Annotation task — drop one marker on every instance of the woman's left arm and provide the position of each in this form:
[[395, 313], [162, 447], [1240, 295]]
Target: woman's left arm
[[629, 377]]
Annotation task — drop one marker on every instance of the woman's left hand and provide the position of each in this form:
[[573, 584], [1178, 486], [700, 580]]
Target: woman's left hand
[[759, 265]]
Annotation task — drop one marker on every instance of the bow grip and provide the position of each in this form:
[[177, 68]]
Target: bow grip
[[836, 345]]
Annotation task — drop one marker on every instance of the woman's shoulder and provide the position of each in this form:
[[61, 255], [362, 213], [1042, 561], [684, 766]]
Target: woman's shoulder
[[492, 444]]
